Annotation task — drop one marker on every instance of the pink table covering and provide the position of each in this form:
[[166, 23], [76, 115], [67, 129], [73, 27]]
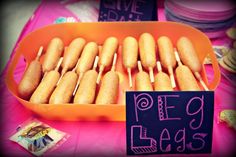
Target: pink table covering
[[99, 138]]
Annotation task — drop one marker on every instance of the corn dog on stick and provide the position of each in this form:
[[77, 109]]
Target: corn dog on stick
[[167, 56], [31, 77], [108, 91], [64, 90], [147, 53], [142, 80], [185, 77], [189, 57], [109, 48], [53, 54], [94, 68], [72, 54], [162, 80], [87, 89], [47, 85], [87, 58], [130, 55]]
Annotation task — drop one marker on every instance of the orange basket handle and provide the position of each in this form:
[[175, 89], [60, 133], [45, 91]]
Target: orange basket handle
[[216, 79], [9, 79]]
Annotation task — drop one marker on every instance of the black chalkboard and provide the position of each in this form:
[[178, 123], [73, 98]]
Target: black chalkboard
[[128, 10], [169, 122]]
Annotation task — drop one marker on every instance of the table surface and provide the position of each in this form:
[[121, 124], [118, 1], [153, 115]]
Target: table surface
[[103, 138]]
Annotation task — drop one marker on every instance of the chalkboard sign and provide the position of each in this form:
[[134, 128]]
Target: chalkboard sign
[[128, 10], [169, 122]]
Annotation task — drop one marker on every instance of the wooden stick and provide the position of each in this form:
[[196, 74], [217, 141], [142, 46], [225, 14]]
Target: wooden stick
[[40, 51], [151, 75], [177, 58], [74, 69], [140, 66], [172, 79], [78, 82], [64, 70], [60, 79], [198, 76], [130, 77], [59, 64], [101, 69], [114, 62], [95, 64], [159, 66], [79, 79]]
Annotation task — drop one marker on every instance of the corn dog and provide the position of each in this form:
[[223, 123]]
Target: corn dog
[[109, 87], [162, 80], [142, 81], [109, 48], [87, 88], [31, 77], [130, 55], [167, 56], [189, 57], [86, 61], [147, 53], [72, 54], [185, 77], [64, 90], [43, 92], [53, 53]]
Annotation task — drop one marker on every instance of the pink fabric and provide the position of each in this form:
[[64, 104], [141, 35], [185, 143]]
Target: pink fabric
[[98, 138]]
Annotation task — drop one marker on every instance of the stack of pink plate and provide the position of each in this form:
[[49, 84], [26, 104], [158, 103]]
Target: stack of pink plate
[[211, 17]]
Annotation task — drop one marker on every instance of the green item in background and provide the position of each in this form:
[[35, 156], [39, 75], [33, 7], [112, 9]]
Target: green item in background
[[231, 33], [228, 116]]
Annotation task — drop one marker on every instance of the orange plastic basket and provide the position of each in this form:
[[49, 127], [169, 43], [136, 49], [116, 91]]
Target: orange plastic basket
[[98, 32]]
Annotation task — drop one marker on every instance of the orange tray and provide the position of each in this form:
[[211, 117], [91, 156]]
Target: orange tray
[[98, 32]]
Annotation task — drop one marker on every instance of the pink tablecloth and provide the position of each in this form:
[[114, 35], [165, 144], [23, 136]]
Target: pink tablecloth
[[99, 138]]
